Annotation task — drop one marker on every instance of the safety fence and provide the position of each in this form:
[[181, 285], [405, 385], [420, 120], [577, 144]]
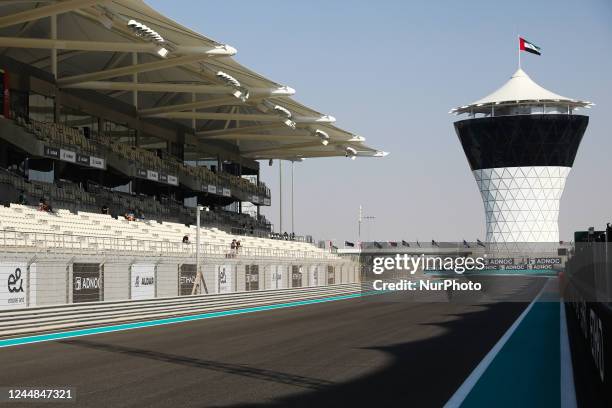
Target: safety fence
[[41, 279]]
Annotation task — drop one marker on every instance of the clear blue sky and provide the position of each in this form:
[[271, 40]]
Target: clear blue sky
[[390, 71]]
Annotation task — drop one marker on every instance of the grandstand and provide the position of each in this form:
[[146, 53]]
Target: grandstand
[[110, 108]]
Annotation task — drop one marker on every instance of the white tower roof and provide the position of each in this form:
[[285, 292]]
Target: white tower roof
[[519, 89]]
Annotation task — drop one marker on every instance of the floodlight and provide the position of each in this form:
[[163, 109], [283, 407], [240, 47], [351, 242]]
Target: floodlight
[[323, 136], [228, 79], [239, 91], [145, 31], [282, 111], [162, 52]]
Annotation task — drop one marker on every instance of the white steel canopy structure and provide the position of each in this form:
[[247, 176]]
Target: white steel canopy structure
[[520, 89], [128, 51]]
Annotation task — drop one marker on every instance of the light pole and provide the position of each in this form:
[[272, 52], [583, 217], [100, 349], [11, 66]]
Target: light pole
[[199, 277], [360, 220], [292, 212], [280, 196]]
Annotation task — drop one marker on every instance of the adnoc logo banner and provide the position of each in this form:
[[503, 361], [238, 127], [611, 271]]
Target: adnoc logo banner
[[12, 286]]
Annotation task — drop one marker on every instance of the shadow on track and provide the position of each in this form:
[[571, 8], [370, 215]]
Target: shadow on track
[[423, 373], [233, 369]]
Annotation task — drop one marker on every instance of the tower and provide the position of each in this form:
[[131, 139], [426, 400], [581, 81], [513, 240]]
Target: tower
[[520, 142]]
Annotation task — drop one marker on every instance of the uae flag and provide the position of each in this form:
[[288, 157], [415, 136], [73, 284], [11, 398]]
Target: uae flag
[[525, 45]]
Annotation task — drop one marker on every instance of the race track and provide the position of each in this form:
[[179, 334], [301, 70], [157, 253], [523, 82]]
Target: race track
[[357, 352]]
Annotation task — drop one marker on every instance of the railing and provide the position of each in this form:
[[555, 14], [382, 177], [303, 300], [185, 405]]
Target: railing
[[62, 136], [104, 244]]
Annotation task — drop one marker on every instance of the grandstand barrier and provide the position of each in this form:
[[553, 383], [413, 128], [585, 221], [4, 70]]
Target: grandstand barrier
[[60, 318], [11, 241], [41, 279]]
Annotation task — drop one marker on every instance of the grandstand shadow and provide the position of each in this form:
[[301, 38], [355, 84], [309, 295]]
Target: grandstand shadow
[[422, 373]]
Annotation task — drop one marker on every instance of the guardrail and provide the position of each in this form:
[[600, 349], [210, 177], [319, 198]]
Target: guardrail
[[45, 241], [65, 317]]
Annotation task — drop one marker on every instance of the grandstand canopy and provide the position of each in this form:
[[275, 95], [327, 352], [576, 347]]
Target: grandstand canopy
[[130, 52]]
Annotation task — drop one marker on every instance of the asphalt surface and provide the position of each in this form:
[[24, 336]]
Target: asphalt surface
[[348, 353]]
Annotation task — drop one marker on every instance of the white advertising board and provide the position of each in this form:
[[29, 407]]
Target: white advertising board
[[223, 279], [13, 290], [314, 276], [143, 281], [152, 175], [67, 155], [277, 277]]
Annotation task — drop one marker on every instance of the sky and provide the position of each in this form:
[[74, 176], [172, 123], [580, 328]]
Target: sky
[[390, 71]]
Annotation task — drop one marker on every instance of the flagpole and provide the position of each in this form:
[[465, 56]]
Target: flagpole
[[519, 51]]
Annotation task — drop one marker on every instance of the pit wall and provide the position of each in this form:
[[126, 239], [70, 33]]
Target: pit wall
[[28, 280]]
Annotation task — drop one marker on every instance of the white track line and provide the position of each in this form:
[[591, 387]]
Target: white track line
[[462, 392], [568, 390]]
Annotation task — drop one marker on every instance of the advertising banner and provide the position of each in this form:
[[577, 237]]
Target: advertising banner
[[172, 180], [187, 276], [86, 283], [83, 159], [152, 175], [142, 281], [251, 277], [296, 276], [331, 275], [97, 162], [277, 277], [13, 289], [212, 189], [227, 192], [314, 276], [67, 155], [224, 279], [52, 152]]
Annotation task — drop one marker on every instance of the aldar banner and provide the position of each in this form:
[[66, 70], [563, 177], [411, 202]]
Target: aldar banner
[[223, 279], [13, 290], [143, 281]]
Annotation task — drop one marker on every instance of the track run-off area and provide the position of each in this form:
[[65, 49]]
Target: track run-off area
[[336, 351]]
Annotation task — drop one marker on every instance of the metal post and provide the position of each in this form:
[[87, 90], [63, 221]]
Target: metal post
[[198, 209], [199, 283], [280, 196], [519, 52], [292, 211], [193, 121], [135, 80], [359, 223], [54, 50]]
